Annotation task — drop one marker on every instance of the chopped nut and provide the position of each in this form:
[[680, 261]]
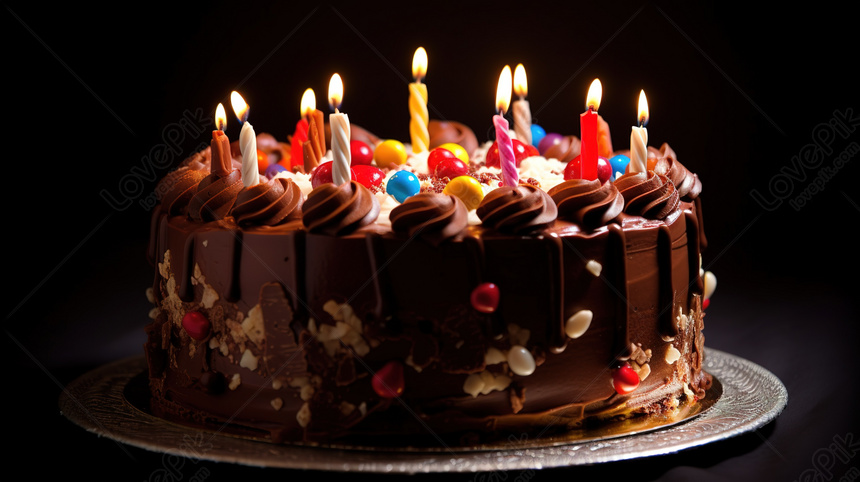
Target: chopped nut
[[303, 416], [594, 267], [248, 360], [672, 354], [235, 382], [205, 243], [153, 313], [210, 296], [494, 356], [306, 392], [277, 403], [363, 408], [164, 267], [253, 326], [277, 384], [346, 408], [484, 383]]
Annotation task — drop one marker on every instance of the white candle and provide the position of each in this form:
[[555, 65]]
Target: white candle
[[340, 134], [521, 110], [247, 142], [639, 138]]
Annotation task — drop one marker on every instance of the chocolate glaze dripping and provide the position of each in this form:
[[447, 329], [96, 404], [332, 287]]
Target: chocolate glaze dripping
[[556, 336], [233, 292], [666, 293], [475, 245], [374, 254], [617, 250], [693, 252], [186, 289]]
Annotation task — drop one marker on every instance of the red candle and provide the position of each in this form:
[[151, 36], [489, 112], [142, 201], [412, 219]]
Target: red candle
[[588, 131], [308, 105], [222, 160]]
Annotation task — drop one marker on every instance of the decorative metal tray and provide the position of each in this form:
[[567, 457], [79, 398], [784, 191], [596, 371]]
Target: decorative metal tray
[[110, 401]]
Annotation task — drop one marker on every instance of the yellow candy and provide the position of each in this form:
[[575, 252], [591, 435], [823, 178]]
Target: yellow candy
[[468, 189], [458, 151], [389, 153]]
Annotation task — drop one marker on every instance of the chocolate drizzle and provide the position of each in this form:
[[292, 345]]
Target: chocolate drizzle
[[523, 209], [650, 195], [339, 210], [435, 217], [666, 293], [588, 203]]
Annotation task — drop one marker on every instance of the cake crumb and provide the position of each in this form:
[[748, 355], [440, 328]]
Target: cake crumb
[[303, 416], [277, 403], [235, 381], [594, 268], [248, 360]]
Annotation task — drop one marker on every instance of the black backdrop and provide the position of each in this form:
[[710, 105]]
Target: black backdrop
[[761, 104]]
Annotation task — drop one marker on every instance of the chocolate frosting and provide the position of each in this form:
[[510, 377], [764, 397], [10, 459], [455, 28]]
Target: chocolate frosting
[[687, 183], [339, 210], [177, 188], [434, 217], [268, 203], [588, 203], [517, 210], [565, 150], [215, 196], [649, 195], [442, 132]]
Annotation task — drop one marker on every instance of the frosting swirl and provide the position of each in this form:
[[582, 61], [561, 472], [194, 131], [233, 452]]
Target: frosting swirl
[[268, 203], [435, 217], [687, 183], [176, 189], [215, 196], [339, 210], [522, 209], [649, 195], [588, 203]]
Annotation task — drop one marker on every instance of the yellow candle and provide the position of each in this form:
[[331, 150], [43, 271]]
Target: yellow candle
[[418, 115]]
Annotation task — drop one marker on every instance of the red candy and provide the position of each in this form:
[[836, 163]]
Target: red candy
[[624, 379], [321, 174], [388, 381], [521, 151], [361, 153], [451, 167], [196, 325], [436, 156], [573, 170], [370, 176], [485, 297], [706, 303]]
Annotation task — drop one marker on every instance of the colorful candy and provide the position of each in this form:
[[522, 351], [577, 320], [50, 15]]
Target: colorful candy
[[573, 170], [402, 185], [361, 153], [458, 150], [451, 168], [388, 381], [624, 379], [521, 151], [196, 325], [467, 188], [370, 176], [618, 164], [485, 297], [321, 174], [537, 134], [273, 170], [390, 153], [549, 140], [437, 155]]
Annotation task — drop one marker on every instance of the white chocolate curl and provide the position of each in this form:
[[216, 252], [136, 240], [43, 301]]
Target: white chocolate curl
[[523, 121], [248, 146], [418, 117], [340, 135], [638, 149]]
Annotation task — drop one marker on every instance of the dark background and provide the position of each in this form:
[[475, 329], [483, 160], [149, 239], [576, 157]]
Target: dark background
[[94, 94]]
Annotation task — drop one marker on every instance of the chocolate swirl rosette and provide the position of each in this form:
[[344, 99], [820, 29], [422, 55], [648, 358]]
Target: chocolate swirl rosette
[[268, 203], [650, 195], [339, 210], [434, 217], [215, 196], [523, 209], [686, 183], [176, 189], [588, 203]]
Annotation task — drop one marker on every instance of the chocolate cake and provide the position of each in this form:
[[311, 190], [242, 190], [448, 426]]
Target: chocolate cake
[[338, 314]]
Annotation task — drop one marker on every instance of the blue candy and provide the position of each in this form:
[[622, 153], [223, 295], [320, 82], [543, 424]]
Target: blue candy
[[274, 169], [537, 134], [618, 164], [402, 185]]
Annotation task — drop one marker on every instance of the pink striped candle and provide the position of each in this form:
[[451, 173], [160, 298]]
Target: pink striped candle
[[510, 176]]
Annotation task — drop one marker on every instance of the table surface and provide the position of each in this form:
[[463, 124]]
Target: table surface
[[95, 97]]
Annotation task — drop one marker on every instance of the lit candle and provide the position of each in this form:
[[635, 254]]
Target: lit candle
[[639, 138], [247, 142], [588, 131], [222, 160], [300, 135], [418, 115], [510, 177], [522, 112], [340, 134]]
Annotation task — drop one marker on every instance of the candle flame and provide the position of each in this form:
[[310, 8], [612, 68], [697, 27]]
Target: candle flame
[[643, 108], [419, 64], [592, 101], [309, 102], [503, 91], [221, 117], [521, 85], [335, 91], [240, 107]]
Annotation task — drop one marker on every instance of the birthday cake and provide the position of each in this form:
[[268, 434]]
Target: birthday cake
[[423, 303]]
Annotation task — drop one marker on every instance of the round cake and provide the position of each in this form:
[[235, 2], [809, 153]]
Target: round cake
[[297, 310]]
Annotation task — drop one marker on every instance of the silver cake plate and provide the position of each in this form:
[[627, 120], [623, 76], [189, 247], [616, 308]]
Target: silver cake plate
[[744, 398]]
